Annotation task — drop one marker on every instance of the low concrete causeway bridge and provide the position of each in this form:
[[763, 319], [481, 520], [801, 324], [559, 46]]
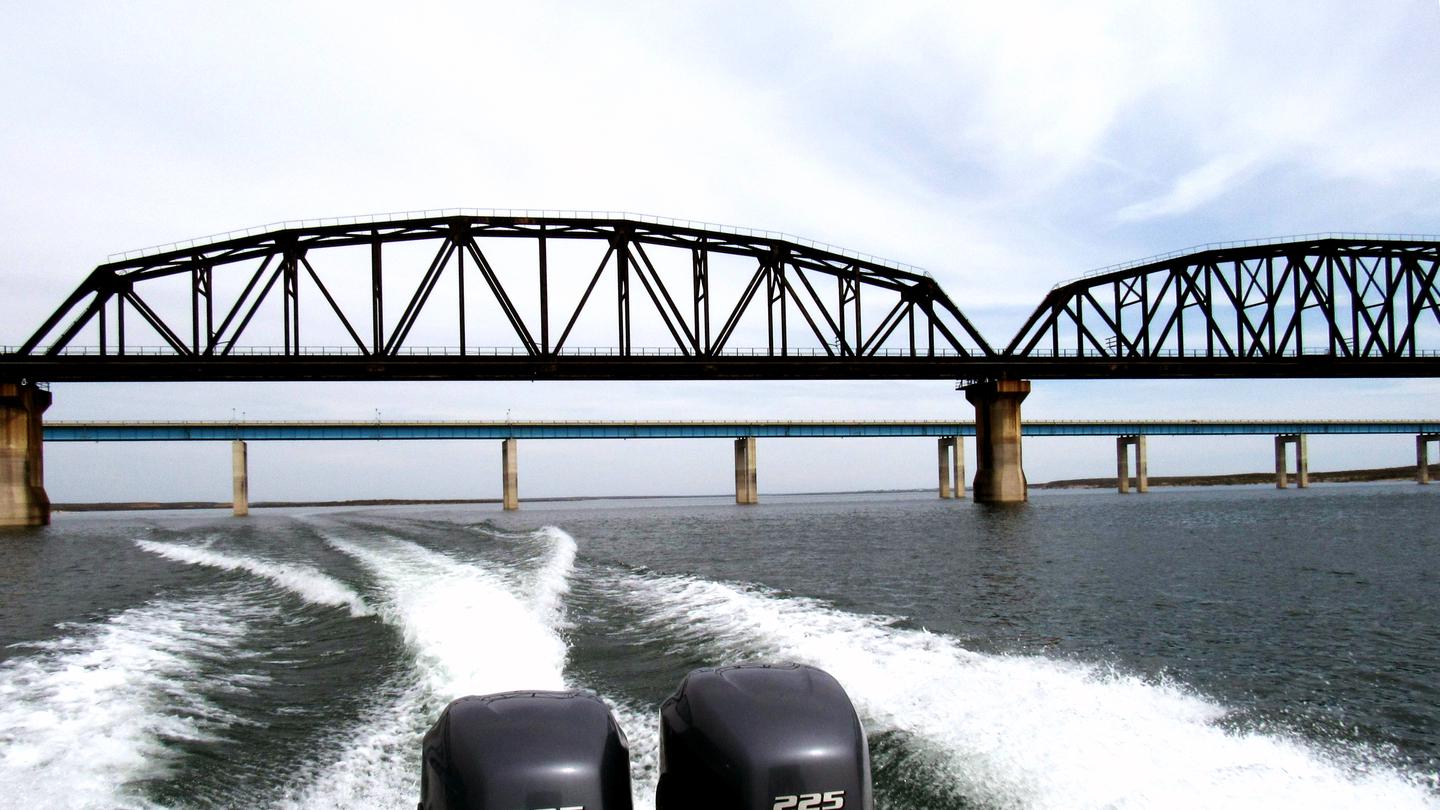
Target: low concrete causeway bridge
[[547, 295], [744, 433]]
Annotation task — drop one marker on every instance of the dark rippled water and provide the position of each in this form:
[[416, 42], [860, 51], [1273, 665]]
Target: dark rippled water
[[1235, 647]]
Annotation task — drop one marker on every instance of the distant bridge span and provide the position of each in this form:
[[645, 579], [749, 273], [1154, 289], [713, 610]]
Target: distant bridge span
[[1130, 435], [202, 431]]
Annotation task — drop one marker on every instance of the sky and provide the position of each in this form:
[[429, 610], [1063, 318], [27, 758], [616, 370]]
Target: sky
[[1002, 147]]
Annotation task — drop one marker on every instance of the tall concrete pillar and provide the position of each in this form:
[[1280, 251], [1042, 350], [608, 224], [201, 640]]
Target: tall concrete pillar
[[1122, 463], [1302, 461], [1422, 456], [23, 501], [510, 474], [959, 448], [947, 455], [999, 475], [746, 487], [240, 478]]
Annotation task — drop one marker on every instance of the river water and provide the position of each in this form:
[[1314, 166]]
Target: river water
[[1203, 647]]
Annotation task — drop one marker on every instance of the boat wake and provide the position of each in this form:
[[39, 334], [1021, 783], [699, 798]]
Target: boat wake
[[1018, 731], [86, 719]]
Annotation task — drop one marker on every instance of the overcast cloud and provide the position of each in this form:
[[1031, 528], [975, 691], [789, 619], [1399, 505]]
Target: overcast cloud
[[1003, 147]]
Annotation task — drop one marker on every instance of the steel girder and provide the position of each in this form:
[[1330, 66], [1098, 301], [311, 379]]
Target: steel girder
[[1324, 307], [1316, 307], [801, 291]]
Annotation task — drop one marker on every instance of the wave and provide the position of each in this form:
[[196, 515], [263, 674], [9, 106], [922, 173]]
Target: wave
[[375, 763], [470, 629], [302, 580], [88, 717], [1021, 731]]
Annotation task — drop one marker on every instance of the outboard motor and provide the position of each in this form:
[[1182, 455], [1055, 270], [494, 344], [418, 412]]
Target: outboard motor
[[757, 737], [526, 751]]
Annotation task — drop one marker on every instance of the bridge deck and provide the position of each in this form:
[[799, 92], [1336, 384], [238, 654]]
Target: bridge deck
[[393, 430]]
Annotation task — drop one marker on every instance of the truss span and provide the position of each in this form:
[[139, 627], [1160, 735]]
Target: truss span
[[491, 296], [1332, 305], [469, 294]]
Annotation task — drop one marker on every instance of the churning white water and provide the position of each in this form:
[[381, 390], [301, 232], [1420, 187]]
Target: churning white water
[[302, 580], [88, 715], [1023, 731]]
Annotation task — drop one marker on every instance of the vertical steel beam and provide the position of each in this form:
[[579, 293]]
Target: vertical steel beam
[[622, 290], [544, 297], [377, 298]]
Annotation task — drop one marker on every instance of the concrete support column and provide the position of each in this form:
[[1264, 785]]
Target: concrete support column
[[510, 474], [1302, 461], [240, 477], [959, 466], [1122, 464], [1422, 456], [23, 501], [947, 454], [746, 488], [999, 474]]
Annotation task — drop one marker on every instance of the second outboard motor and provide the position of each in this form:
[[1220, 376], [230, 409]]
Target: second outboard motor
[[526, 751], [757, 737]]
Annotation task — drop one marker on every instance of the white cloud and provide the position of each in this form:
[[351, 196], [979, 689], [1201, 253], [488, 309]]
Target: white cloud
[[1194, 188]]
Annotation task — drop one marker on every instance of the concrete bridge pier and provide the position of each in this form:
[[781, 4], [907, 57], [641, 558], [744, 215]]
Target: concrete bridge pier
[[23, 501], [952, 467], [1302, 461], [1122, 464], [746, 490], [510, 474], [1422, 456], [240, 478], [999, 475]]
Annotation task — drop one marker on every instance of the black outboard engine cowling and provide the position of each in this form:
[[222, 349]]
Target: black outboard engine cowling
[[526, 751], [758, 737]]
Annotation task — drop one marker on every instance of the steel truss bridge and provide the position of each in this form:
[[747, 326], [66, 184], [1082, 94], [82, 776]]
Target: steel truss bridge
[[170, 431], [465, 294]]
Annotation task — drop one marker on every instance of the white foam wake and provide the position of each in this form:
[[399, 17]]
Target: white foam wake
[[86, 716], [470, 631], [302, 580], [1019, 731], [551, 581], [644, 734]]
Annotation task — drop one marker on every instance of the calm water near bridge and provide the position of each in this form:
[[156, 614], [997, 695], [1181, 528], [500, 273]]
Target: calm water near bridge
[[1222, 647]]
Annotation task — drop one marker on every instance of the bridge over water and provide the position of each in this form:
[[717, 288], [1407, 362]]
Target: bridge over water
[[540, 295], [1128, 433]]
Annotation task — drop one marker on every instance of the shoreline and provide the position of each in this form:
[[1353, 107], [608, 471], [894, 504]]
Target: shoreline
[[1231, 479]]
